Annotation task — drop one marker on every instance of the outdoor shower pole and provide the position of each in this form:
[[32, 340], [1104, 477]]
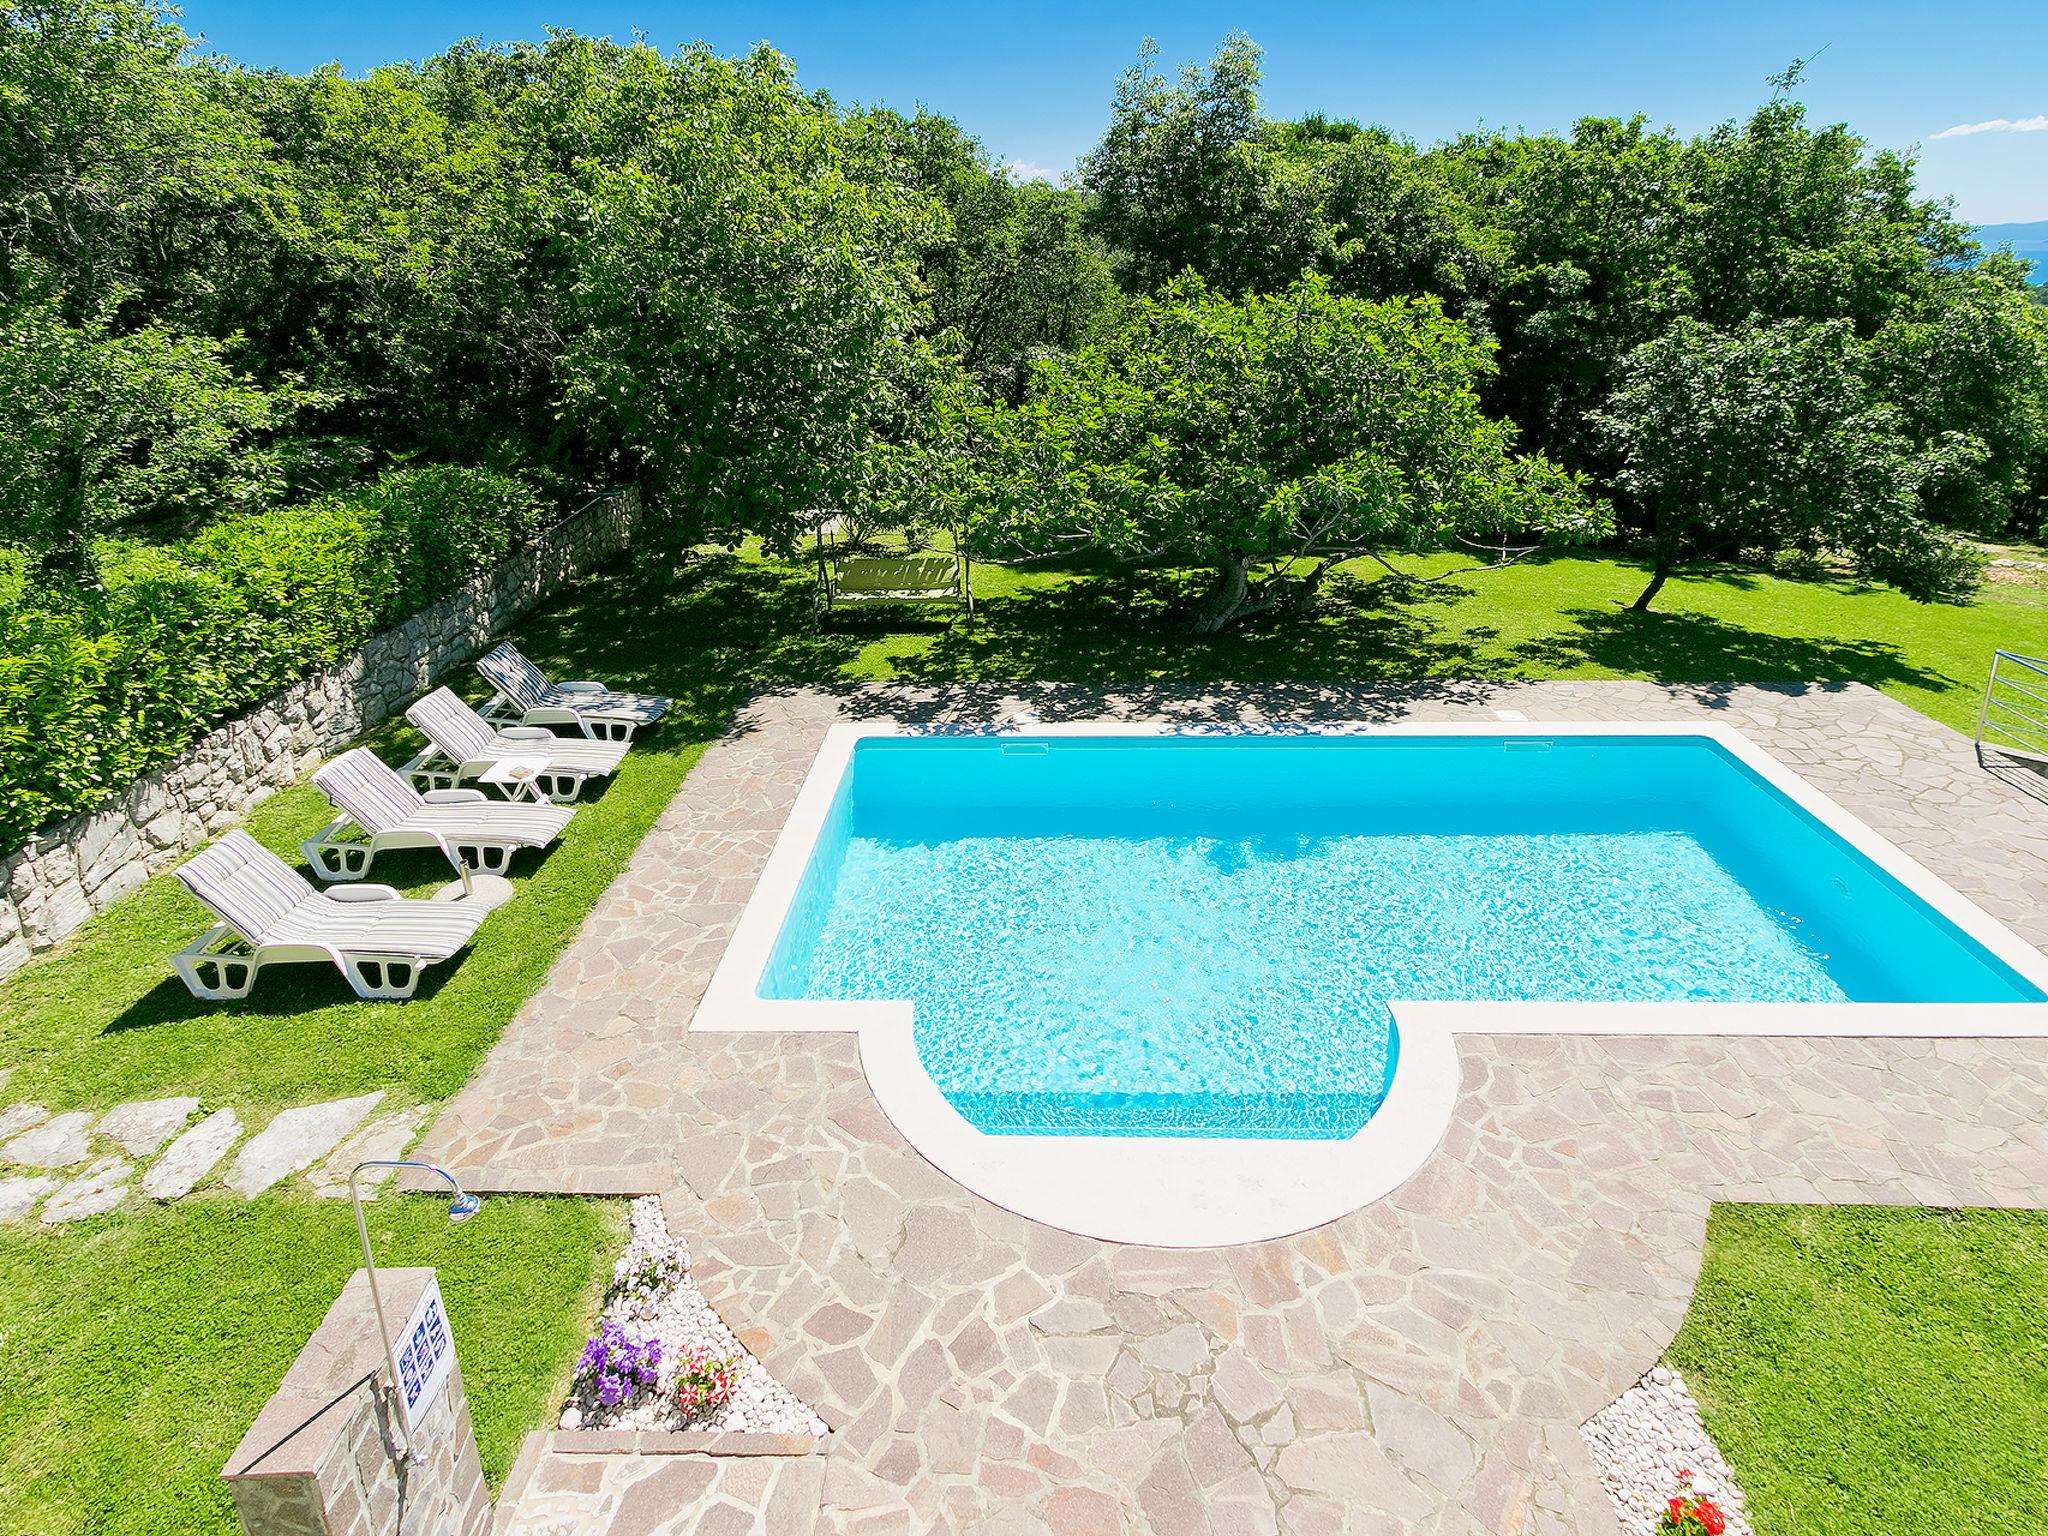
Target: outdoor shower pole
[[460, 1209]]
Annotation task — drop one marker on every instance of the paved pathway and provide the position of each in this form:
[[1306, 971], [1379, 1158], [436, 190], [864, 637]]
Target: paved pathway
[[1420, 1365]]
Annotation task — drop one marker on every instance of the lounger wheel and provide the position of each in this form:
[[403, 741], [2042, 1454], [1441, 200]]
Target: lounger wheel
[[216, 978], [382, 978]]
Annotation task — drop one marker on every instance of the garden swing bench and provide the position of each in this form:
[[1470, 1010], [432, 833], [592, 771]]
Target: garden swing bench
[[847, 579]]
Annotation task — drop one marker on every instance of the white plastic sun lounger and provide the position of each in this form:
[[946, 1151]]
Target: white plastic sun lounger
[[525, 695], [380, 810], [270, 915], [466, 745]]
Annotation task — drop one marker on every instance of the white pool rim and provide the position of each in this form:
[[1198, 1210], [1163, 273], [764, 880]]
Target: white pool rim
[[1203, 1192]]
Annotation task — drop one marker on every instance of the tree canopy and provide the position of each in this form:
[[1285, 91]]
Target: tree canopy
[[741, 302], [1577, 251], [1768, 440], [1190, 176], [1265, 439], [108, 429], [581, 260]]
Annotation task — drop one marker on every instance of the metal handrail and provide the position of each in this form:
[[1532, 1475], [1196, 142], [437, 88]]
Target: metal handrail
[[2004, 722]]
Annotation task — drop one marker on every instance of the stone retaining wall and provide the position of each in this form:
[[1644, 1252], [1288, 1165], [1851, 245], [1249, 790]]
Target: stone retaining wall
[[78, 867]]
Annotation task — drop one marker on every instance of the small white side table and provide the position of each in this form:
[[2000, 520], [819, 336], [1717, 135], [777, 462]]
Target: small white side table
[[517, 778]]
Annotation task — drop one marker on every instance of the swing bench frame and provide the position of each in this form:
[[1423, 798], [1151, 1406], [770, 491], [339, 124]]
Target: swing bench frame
[[913, 580]]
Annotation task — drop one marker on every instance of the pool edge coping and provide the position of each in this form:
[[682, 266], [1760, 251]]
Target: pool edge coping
[[1198, 1192]]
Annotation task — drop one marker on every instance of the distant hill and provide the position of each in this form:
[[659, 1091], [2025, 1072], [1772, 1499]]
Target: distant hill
[[2028, 240]]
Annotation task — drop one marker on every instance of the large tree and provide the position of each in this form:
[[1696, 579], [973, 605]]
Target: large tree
[[1265, 440], [1171, 162], [1971, 370], [1588, 272], [1768, 440], [1190, 176], [106, 431], [1576, 251], [122, 173], [1610, 236], [1010, 272], [412, 259], [741, 303]]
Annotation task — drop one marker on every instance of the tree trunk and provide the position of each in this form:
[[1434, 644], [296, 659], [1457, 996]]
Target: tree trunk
[[1229, 596], [1660, 574], [1665, 543]]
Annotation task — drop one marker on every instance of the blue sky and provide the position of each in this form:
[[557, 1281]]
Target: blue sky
[[1033, 82]]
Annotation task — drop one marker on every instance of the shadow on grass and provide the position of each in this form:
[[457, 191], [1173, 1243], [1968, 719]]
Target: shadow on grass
[[1081, 647], [282, 993], [708, 634], [1711, 653], [285, 992], [1134, 628], [721, 627]]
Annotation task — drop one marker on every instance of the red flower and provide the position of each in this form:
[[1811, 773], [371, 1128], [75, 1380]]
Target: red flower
[[1677, 1513], [1710, 1516]]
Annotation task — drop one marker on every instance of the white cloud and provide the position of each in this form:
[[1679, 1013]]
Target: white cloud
[[1021, 171], [1996, 125]]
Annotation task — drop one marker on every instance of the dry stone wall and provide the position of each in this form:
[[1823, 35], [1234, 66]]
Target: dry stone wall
[[78, 867]]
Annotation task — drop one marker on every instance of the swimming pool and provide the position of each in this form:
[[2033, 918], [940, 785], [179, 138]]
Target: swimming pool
[[1204, 935]]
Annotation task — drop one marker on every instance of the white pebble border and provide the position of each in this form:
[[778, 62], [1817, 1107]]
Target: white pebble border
[[682, 1319], [1644, 1439]]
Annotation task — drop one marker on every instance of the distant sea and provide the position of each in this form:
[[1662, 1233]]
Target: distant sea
[[2028, 240]]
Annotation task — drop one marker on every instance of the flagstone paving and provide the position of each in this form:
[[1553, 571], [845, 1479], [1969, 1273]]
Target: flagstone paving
[[141, 1127], [98, 1190], [19, 1117], [58, 1143], [1420, 1365], [19, 1194], [192, 1156], [295, 1139], [381, 1139]]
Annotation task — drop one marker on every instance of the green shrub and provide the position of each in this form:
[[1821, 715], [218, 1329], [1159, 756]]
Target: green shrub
[[97, 688], [53, 745], [448, 522]]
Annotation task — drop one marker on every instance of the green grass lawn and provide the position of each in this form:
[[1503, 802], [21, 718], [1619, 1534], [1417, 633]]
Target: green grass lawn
[[135, 1350], [727, 623], [1872, 1369], [102, 1019]]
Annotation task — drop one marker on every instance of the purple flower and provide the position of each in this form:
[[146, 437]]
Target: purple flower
[[619, 1366]]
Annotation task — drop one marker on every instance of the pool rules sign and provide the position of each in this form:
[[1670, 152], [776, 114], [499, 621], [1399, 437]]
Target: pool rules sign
[[426, 1354]]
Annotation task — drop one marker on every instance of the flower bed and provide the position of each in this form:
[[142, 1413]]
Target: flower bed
[[1647, 1443], [662, 1359], [1690, 1513]]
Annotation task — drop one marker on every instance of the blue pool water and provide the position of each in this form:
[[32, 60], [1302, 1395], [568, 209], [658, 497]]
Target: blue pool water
[[1200, 935]]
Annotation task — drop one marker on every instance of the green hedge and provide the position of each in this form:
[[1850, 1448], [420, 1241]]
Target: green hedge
[[95, 689]]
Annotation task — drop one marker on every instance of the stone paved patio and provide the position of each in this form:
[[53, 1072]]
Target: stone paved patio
[[1421, 1365]]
